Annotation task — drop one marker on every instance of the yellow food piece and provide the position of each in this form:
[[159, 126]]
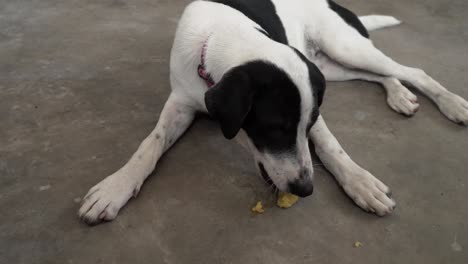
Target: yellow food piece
[[357, 244], [286, 200], [258, 208]]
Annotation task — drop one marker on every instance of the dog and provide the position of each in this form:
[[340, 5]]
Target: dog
[[259, 68]]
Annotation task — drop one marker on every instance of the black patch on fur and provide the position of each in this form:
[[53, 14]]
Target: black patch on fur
[[349, 17], [230, 100], [262, 12], [260, 98], [318, 84]]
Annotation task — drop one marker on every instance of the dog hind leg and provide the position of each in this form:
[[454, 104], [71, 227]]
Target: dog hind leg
[[399, 98], [346, 46], [373, 22]]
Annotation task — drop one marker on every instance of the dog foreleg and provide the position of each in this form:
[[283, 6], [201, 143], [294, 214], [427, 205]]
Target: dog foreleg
[[367, 191], [105, 199]]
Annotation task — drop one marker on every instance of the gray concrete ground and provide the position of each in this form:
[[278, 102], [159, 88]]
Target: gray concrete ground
[[82, 83]]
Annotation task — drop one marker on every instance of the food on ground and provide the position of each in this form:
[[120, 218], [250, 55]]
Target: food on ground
[[286, 200]]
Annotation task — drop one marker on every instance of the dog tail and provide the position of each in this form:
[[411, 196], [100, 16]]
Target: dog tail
[[373, 22]]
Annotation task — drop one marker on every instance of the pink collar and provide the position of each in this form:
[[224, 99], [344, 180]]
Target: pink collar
[[202, 72]]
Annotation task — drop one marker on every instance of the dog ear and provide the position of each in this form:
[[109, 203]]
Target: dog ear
[[319, 83], [316, 78], [230, 101]]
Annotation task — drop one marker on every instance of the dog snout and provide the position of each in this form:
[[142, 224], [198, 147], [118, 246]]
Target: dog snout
[[303, 186]]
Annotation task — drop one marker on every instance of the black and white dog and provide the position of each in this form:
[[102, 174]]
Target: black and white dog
[[259, 68]]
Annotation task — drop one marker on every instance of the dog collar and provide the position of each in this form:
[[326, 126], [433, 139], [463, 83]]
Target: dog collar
[[202, 72]]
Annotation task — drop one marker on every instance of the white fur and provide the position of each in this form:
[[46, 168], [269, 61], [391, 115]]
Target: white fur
[[106, 198], [373, 22], [399, 98], [366, 190], [335, 47]]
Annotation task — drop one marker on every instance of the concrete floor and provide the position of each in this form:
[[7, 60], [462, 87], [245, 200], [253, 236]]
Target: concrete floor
[[82, 83]]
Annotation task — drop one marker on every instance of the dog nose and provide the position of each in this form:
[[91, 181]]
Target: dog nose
[[301, 187]]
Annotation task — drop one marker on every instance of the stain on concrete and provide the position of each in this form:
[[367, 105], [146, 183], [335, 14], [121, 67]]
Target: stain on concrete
[[360, 115], [456, 246], [44, 187]]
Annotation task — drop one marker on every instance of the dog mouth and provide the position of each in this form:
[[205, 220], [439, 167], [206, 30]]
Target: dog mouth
[[266, 177]]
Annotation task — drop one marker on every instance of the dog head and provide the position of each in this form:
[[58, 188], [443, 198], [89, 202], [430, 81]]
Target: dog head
[[273, 105]]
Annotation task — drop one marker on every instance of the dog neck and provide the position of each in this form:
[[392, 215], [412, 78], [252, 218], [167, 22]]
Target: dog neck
[[202, 72], [219, 54]]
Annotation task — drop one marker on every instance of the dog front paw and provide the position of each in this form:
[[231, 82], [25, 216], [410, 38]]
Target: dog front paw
[[368, 192], [454, 107], [104, 201]]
